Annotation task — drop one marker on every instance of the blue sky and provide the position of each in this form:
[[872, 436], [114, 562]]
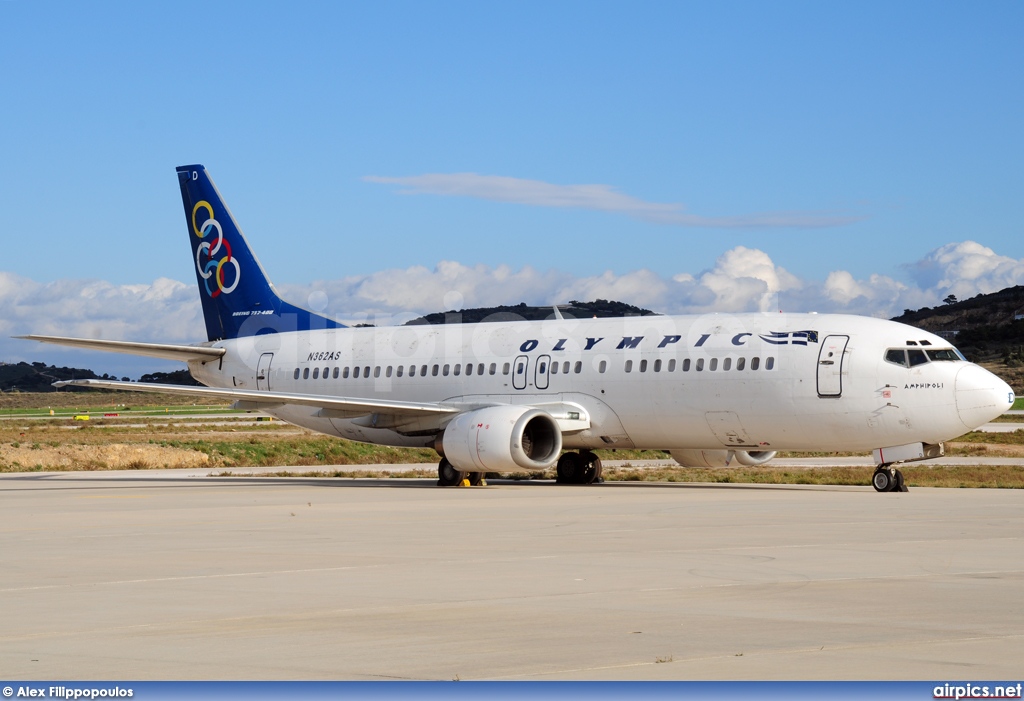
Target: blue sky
[[861, 157]]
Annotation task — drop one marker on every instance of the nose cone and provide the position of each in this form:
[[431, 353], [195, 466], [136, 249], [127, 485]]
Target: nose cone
[[980, 396]]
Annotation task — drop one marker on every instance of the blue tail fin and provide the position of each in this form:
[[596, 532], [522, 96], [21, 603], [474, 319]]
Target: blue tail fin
[[238, 299]]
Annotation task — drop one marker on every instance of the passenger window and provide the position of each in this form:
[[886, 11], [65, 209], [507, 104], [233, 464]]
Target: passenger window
[[327, 371], [387, 373], [543, 368], [700, 364], [423, 370], [305, 373], [296, 374], [505, 368], [412, 371], [335, 373], [917, 357], [714, 364], [740, 362], [316, 373], [897, 356], [520, 367], [344, 374], [445, 370], [672, 365], [399, 370], [603, 366], [657, 365], [769, 363], [493, 369], [433, 370], [554, 368], [629, 366], [469, 368], [458, 369], [686, 365], [755, 363], [726, 364], [643, 366], [480, 369], [366, 371], [355, 372], [578, 367]]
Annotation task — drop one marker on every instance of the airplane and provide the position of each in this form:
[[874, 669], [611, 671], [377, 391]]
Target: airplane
[[711, 390]]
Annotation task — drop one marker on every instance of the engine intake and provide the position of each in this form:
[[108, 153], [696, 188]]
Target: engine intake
[[502, 439]]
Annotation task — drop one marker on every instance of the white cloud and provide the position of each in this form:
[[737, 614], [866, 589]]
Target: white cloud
[[966, 269], [604, 198], [742, 279]]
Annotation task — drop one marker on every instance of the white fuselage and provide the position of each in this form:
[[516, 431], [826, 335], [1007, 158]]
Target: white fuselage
[[747, 381]]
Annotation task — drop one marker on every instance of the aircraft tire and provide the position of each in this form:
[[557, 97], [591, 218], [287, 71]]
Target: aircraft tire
[[475, 478], [447, 475], [569, 469], [901, 485], [883, 479], [591, 473]]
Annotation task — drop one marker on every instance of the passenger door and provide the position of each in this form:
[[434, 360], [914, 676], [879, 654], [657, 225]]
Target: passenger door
[[830, 366], [263, 371]]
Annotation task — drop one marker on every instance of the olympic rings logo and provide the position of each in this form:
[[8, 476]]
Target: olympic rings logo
[[213, 269]]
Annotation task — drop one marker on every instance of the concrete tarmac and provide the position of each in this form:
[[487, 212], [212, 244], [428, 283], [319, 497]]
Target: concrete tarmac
[[123, 576]]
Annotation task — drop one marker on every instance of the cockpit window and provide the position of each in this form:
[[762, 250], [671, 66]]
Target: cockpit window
[[896, 355], [911, 357]]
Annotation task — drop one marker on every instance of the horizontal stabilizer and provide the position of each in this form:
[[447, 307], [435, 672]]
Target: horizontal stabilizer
[[167, 351], [347, 405]]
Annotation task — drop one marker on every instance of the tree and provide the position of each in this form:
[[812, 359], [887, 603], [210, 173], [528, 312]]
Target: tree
[[950, 299]]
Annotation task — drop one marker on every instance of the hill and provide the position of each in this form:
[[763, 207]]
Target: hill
[[39, 377], [987, 328]]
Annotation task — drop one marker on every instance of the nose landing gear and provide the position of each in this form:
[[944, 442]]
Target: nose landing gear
[[888, 479]]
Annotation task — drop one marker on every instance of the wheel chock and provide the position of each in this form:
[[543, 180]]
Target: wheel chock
[[465, 483]]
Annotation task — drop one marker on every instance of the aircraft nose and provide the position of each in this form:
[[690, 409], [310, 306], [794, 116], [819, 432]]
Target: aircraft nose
[[980, 396]]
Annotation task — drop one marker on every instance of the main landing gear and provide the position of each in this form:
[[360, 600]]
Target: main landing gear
[[578, 468], [888, 479], [448, 476]]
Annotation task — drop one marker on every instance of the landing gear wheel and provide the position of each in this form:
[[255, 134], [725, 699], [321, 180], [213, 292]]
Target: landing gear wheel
[[884, 479], [476, 479], [900, 485], [591, 468], [447, 475], [569, 469]]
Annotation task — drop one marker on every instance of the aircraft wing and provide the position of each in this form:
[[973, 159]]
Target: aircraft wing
[[167, 351], [258, 399]]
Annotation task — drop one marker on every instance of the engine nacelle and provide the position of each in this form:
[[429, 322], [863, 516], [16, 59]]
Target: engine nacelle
[[502, 439], [721, 458]]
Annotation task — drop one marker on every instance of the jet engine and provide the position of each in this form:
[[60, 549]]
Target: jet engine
[[502, 439], [721, 458]]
